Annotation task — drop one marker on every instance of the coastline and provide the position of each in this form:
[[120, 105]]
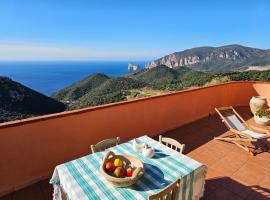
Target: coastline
[[47, 77]]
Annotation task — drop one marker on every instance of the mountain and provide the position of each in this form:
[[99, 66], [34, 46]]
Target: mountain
[[99, 89], [18, 101], [80, 88], [215, 59], [96, 89], [165, 78]]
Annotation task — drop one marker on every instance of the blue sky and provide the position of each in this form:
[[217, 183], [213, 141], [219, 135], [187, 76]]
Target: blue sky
[[127, 29]]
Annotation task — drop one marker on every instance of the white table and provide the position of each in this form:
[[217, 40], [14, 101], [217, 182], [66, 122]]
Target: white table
[[81, 179]]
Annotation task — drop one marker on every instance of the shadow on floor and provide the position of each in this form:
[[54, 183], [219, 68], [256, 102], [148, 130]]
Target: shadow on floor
[[199, 132], [39, 191], [227, 188]]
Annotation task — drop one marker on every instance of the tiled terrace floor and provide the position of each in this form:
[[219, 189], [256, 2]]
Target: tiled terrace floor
[[232, 172]]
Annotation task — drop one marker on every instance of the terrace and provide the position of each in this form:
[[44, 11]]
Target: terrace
[[185, 116]]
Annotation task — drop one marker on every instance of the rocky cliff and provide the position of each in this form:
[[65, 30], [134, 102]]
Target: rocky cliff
[[133, 67], [215, 59]]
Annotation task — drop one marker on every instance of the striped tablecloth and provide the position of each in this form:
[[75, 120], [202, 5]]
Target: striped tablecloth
[[80, 179]]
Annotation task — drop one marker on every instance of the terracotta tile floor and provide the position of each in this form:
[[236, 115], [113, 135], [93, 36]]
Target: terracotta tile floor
[[232, 172]]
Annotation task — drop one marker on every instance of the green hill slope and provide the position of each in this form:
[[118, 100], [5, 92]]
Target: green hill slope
[[165, 78], [110, 91], [18, 101], [80, 88], [99, 89]]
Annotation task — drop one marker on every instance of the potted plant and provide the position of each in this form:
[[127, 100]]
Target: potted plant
[[262, 117], [256, 103]]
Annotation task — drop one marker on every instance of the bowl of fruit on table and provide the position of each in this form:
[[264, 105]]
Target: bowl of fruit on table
[[121, 170]]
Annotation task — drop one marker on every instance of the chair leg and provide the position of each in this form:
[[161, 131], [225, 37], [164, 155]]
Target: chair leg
[[231, 139], [224, 139], [243, 146], [237, 141]]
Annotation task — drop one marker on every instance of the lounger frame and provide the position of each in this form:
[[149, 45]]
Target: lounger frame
[[237, 137]]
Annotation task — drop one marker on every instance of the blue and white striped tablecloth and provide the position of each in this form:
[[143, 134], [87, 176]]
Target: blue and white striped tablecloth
[[80, 179]]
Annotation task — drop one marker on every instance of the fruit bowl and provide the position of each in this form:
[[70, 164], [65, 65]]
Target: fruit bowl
[[127, 162]]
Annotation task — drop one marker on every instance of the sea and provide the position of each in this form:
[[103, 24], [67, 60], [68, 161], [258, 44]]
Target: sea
[[47, 77]]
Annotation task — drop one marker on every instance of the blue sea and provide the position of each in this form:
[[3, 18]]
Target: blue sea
[[48, 77]]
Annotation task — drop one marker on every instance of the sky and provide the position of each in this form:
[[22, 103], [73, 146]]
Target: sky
[[127, 29]]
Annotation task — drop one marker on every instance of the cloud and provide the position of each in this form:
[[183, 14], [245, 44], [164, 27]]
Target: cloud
[[21, 52]]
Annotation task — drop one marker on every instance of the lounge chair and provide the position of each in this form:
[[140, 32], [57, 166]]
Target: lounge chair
[[172, 143], [168, 193], [105, 144], [242, 133]]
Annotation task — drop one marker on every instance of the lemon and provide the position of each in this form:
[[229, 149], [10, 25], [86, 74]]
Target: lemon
[[118, 162]]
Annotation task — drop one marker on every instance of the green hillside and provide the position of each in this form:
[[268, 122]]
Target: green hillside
[[99, 89], [18, 101], [80, 88], [96, 89], [165, 78], [250, 76]]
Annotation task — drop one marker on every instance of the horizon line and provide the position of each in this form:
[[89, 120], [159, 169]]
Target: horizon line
[[88, 60]]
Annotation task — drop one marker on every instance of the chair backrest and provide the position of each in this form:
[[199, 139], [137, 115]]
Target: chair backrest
[[105, 144], [231, 118], [172, 143], [167, 193], [235, 123]]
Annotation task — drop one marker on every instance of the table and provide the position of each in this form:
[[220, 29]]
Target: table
[[81, 179]]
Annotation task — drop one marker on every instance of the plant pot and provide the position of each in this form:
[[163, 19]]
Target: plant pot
[[264, 120], [256, 103]]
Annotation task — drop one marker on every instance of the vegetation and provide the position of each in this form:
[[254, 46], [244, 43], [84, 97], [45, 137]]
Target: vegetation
[[18, 101], [195, 78], [144, 92], [250, 76], [113, 90], [158, 80], [12, 115], [262, 112], [80, 88]]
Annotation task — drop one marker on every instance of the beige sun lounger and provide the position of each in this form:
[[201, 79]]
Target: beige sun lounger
[[242, 133]]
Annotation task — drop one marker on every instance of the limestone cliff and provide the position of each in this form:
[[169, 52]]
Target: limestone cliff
[[216, 59]]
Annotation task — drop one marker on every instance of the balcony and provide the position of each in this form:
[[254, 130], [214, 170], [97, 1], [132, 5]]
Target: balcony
[[30, 149]]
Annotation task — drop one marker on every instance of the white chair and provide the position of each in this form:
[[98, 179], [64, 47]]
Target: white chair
[[172, 143], [168, 193], [105, 144]]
